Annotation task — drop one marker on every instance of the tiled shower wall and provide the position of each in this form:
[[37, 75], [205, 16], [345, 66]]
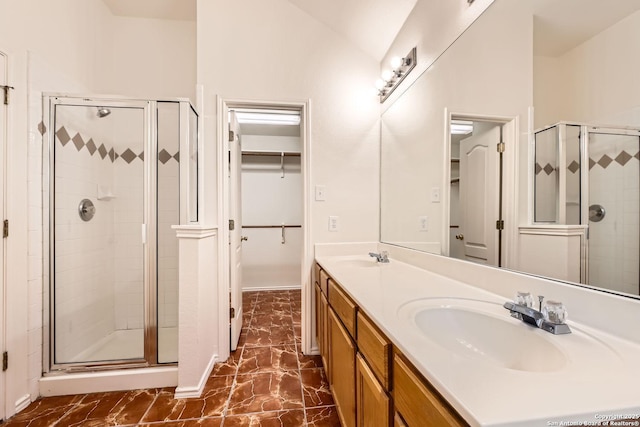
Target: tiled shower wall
[[168, 214], [128, 190], [84, 294]]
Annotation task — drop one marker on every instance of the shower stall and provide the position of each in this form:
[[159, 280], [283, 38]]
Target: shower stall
[[590, 175], [121, 173]]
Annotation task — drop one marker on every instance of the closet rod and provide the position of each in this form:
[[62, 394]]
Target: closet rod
[[270, 153], [271, 226]]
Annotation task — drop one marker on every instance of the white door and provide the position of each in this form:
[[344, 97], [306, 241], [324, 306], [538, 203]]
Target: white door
[[3, 140], [235, 230], [479, 190]]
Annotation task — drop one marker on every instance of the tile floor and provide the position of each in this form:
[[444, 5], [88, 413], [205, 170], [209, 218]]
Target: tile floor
[[266, 382]]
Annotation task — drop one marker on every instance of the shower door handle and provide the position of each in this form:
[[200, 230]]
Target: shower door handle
[[144, 234]]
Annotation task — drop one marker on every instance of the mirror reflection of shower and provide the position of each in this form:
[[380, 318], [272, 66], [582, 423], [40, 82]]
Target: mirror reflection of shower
[[103, 112], [589, 176]]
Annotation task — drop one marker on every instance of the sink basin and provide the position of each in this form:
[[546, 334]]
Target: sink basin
[[484, 331]]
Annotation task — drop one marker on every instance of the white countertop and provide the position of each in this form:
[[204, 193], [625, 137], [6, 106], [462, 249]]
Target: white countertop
[[600, 379]]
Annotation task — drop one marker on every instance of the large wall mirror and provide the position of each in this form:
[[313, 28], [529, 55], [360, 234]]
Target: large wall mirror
[[520, 146]]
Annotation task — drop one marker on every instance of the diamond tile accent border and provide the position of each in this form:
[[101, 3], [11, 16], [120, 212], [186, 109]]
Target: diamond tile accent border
[[622, 159], [128, 155], [63, 136]]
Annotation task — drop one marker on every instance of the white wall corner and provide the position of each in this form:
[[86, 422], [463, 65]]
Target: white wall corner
[[186, 392], [23, 402]]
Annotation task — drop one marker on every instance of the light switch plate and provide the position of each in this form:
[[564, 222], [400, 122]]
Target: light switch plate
[[435, 195], [423, 223], [320, 193], [334, 224]]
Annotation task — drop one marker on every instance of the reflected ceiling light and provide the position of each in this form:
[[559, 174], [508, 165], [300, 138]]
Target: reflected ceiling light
[[268, 117], [461, 127], [390, 79]]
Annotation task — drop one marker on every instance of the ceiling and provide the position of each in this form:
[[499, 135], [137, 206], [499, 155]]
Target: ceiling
[[371, 25], [560, 26]]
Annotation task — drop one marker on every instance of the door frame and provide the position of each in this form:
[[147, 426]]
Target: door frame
[[223, 105], [510, 185], [4, 140]]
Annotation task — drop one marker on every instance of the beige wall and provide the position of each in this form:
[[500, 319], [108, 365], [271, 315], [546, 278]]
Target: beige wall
[[272, 51], [595, 82]]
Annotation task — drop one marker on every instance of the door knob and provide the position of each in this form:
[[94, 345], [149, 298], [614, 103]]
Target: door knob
[[244, 238], [460, 236]]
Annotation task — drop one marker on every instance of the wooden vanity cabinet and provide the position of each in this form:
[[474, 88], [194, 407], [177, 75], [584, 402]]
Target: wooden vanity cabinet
[[322, 311], [342, 358], [373, 405], [373, 384], [417, 402]]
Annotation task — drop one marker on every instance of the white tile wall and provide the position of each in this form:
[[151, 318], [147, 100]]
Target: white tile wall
[[84, 294]]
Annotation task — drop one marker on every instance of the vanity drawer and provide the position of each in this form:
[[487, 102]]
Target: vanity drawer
[[375, 347], [324, 278], [417, 402], [316, 273], [344, 307]]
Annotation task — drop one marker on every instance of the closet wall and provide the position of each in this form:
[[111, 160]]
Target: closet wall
[[271, 197]]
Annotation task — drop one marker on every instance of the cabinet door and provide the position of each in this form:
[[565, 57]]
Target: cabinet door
[[372, 402], [417, 402], [342, 358], [319, 324], [324, 322], [398, 421]]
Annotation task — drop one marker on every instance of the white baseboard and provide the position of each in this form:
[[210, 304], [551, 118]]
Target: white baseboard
[[190, 392], [23, 402]]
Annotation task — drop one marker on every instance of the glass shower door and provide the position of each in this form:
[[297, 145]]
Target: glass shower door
[[614, 211], [98, 203]]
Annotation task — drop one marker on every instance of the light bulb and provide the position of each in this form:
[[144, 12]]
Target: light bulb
[[387, 75], [396, 62], [380, 84]]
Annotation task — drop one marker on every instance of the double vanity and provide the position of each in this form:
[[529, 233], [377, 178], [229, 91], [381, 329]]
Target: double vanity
[[426, 340]]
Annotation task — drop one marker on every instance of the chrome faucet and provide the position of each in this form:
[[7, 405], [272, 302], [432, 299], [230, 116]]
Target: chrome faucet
[[383, 256], [536, 318]]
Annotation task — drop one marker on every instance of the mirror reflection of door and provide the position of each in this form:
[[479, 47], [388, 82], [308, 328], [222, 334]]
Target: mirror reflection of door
[[475, 192]]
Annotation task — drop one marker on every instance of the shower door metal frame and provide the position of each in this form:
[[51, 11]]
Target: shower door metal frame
[[50, 101]]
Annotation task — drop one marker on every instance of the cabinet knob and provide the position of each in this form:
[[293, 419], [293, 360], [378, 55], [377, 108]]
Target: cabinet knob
[[244, 238], [460, 236]]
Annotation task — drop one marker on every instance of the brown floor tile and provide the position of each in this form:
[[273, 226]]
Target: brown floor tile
[[229, 366], [311, 361], [323, 417], [109, 409], [292, 418], [203, 422], [44, 411], [268, 391], [315, 388], [259, 359], [210, 404], [266, 382]]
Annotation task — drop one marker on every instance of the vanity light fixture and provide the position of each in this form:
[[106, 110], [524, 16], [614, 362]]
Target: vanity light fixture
[[390, 79]]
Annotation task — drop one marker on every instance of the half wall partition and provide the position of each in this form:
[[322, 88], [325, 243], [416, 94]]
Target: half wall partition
[[121, 172]]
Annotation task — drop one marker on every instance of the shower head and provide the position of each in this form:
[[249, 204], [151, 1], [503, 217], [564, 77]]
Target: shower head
[[103, 112]]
